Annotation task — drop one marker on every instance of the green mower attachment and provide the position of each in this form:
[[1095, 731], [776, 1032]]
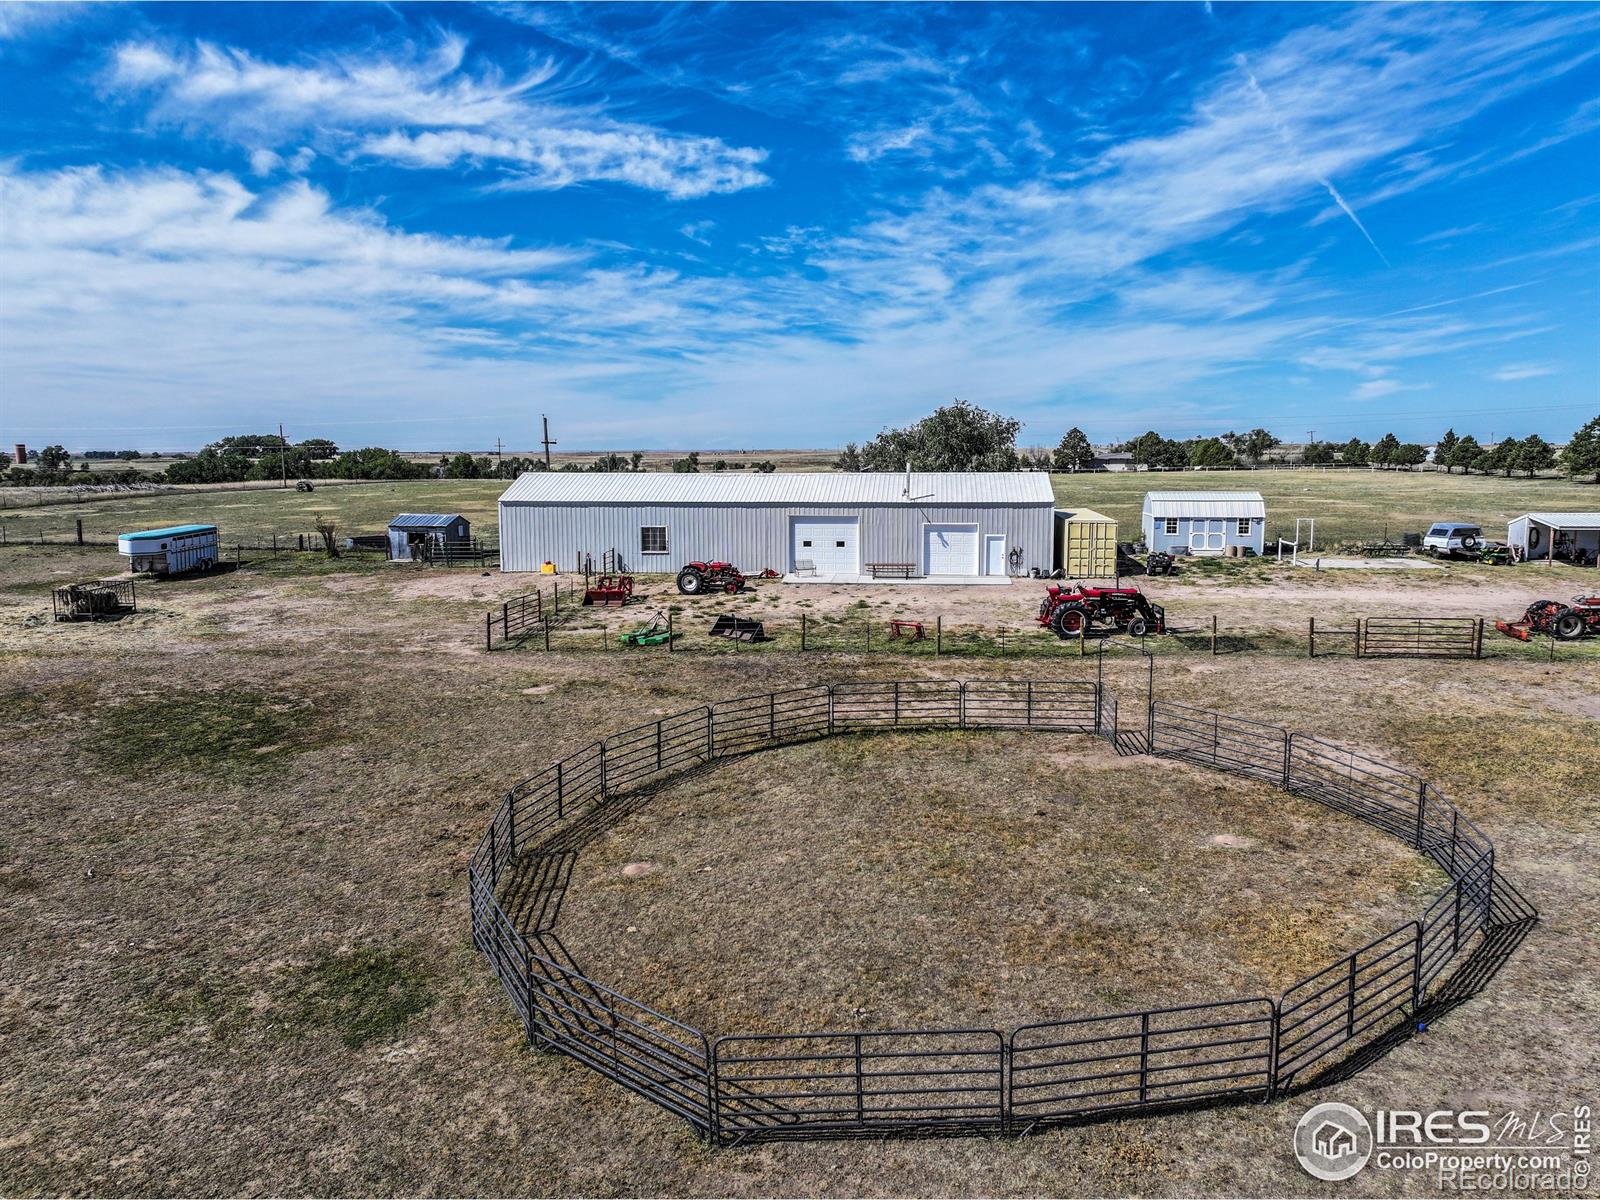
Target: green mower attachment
[[656, 633]]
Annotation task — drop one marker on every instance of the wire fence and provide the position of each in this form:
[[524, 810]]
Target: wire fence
[[755, 1086]]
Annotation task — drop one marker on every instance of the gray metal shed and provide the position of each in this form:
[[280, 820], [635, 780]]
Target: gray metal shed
[[1204, 522], [1565, 536], [947, 524], [408, 529]]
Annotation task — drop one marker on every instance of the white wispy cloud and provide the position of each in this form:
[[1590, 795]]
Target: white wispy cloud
[[1512, 372], [425, 108]]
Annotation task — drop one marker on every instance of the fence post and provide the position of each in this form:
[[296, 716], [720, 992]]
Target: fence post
[[1288, 752], [938, 635], [80, 535], [961, 705], [869, 635], [511, 822], [488, 631], [561, 791], [669, 631], [602, 772], [1477, 641], [802, 633], [1144, 1057], [897, 702], [1213, 635], [1350, 1003], [658, 745], [546, 624], [711, 733], [1416, 973], [772, 716], [861, 1114], [1422, 800], [1359, 639], [1311, 638]]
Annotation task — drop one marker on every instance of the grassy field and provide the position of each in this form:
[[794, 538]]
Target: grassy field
[[232, 891], [1349, 506]]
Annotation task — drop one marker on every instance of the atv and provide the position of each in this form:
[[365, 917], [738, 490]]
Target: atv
[[1072, 612]]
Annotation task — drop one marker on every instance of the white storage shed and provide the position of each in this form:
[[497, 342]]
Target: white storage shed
[[1205, 523], [1558, 536], [833, 525]]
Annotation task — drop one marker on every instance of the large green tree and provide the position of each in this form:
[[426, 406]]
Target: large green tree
[[1582, 453], [1255, 445], [1317, 454], [1443, 448], [1534, 454], [957, 437], [1384, 449], [54, 458], [1074, 453], [1210, 452], [1355, 453], [1465, 454]]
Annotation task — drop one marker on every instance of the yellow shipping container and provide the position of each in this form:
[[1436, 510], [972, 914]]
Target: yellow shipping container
[[1085, 544]]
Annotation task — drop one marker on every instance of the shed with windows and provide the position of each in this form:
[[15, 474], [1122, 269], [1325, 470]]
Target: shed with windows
[[411, 535], [1556, 536], [955, 525], [1205, 523]]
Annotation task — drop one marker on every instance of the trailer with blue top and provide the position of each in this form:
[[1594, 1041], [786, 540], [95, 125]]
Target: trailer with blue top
[[173, 550]]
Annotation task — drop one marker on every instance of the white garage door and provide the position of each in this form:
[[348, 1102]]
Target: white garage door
[[830, 543], [950, 549]]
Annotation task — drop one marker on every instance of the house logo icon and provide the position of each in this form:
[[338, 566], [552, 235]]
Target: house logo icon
[[1332, 1142]]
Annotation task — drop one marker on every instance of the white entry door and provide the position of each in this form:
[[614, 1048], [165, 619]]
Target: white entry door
[[949, 549], [831, 544], [994, 554], [1207, 537]]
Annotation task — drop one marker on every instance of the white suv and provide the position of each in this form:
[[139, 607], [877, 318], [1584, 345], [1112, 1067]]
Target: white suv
[[1449, 539]]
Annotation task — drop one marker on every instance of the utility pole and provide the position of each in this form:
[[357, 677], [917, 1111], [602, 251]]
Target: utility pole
[[499, 454], [283, 455], [547, 442]]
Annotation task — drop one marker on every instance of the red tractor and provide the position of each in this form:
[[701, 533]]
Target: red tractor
[[700, 577], [1074, 611], [1555, 619]]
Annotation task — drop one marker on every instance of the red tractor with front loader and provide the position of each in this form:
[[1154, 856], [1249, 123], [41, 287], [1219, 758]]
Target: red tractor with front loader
[[1074, 611]]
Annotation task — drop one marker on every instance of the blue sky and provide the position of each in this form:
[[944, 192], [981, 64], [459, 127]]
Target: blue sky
[[764, 226]]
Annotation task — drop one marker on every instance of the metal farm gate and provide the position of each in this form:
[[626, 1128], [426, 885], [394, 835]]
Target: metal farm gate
[[1419, 637]]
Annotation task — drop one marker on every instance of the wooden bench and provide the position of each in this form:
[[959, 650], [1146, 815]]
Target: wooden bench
[[907, 629], [888, 570]]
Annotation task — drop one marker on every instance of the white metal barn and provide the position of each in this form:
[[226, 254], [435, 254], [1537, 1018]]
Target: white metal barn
[[1568, 536], [838, 525], [1204, 522]]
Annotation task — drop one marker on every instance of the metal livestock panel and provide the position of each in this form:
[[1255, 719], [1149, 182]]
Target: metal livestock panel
[[753, 536]]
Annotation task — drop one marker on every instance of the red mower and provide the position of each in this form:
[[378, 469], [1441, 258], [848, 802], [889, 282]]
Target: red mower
[[1568, 622], [1074, 611], [610, 590], [699, 577]]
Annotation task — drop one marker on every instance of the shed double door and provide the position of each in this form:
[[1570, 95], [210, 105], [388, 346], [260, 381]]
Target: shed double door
[[1208, 536]]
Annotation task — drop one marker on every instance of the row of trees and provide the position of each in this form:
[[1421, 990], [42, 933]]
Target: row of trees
[[963, 437]]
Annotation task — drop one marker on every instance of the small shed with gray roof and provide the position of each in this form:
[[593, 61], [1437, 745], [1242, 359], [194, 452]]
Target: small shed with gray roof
[[408, 531], [1557, 536], [957, 526], [1205, 523]]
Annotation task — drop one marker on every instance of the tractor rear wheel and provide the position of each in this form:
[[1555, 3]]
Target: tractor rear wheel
[[1070, 620], [691, 582], [1568, 626]]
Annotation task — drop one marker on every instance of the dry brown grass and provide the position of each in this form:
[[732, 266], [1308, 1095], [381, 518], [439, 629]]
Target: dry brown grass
[[166, 928]]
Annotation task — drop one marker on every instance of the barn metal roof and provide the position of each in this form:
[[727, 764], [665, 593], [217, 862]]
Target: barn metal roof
[[779, 487], [424, 520], [1204, 504], [1563, 520], [145, 535]]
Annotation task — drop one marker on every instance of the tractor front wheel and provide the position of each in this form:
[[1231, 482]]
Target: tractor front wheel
[[691, 582], [731, 587], [1138, 627], [1070, 621], [1569, 626]]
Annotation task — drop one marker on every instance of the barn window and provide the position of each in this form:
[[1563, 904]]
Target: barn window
[[1172, 524], [1244, 526], [652, 539]]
